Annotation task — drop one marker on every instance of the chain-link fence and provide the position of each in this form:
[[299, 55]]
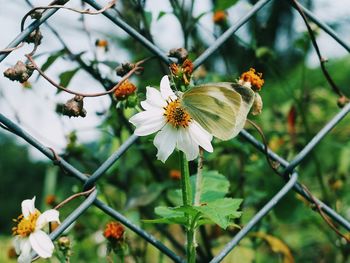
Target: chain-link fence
[[290, 173]]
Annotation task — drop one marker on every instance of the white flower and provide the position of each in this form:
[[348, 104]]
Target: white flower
[[29, 235], [176, 129]]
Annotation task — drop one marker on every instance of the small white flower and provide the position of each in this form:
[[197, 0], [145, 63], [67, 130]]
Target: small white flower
[[176, 129], [28, 233]]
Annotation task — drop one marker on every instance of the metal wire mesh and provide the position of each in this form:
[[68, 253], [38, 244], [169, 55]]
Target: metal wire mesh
[[289, 173]]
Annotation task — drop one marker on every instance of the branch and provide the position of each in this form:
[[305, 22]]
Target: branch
[[129, 74]]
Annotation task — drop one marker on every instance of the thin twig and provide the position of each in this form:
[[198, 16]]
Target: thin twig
[[318, 52], [9, 50], [73, 197], [272, 164], [324, 216], [131, 72], [86, 11]]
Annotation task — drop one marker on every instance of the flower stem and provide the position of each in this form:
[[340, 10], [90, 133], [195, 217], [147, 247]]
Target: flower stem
[[198, 190], [185, 181], [187, 201]]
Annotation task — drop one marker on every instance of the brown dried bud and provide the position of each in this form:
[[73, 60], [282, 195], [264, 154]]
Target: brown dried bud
[[342, 101], [34, 37], [257, 104], [20, 72], [124, 68], [36, 14], [74, 107], [64, 243], [180, 53]]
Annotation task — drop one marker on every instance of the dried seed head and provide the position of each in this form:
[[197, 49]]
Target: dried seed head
[[34, 37], [180, 53], [20, 72], [63, 243], [36, 14], [342, 101], [257, 104], [74, 107], [124, 68]]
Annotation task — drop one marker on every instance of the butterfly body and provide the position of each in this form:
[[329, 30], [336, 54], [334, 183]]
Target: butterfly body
[[220, 108]]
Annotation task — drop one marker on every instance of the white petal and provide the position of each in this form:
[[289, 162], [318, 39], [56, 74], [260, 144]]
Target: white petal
[[201, 136], [165, 142], [146, 105], [25, 250], [46, 217], [28, 207], [41, 244], [186, 144], [154, 98], [147, 122], [145, 116], [165, 89]]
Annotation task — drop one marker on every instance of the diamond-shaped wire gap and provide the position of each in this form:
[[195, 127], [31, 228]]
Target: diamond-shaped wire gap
[[47, 152], [297, 187], [221, 40], [33, 26], [318, 137], [256, 218], [16, 129], [325, 27], [109, 162], [114, 17]]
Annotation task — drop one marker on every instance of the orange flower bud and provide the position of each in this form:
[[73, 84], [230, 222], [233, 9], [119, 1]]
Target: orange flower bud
[[114, 231], [175, 174], [252, 78], [124, 90], [219, 16]]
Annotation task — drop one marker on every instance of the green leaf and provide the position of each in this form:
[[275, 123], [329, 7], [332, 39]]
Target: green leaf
[[146, 195], [214, 186], [169, 216], [224, 4], [221, 211], [171, 220], [167, 212], [51, 59], [161, 14], [66, 77], [148, 18]]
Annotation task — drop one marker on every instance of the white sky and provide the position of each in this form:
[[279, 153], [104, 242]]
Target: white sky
[[36, 108]]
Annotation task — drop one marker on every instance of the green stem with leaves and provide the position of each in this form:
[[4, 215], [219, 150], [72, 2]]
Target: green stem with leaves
[[187, 201]]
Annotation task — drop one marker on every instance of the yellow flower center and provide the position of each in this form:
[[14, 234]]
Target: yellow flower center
[[176, 115], [26, 226]]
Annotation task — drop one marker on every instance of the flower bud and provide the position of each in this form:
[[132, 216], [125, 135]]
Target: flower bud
[[180, 53], [74, 107], [126, 89], [34, 37], [257, 104], [124, 68], [20, 72]]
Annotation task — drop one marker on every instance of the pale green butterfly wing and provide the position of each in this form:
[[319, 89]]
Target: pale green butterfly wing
[[248, 96], [214, 106]]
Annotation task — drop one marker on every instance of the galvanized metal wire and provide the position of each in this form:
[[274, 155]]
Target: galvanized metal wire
[[289, 167]]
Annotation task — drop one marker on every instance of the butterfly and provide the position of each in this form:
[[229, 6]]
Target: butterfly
[[220, 108]]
